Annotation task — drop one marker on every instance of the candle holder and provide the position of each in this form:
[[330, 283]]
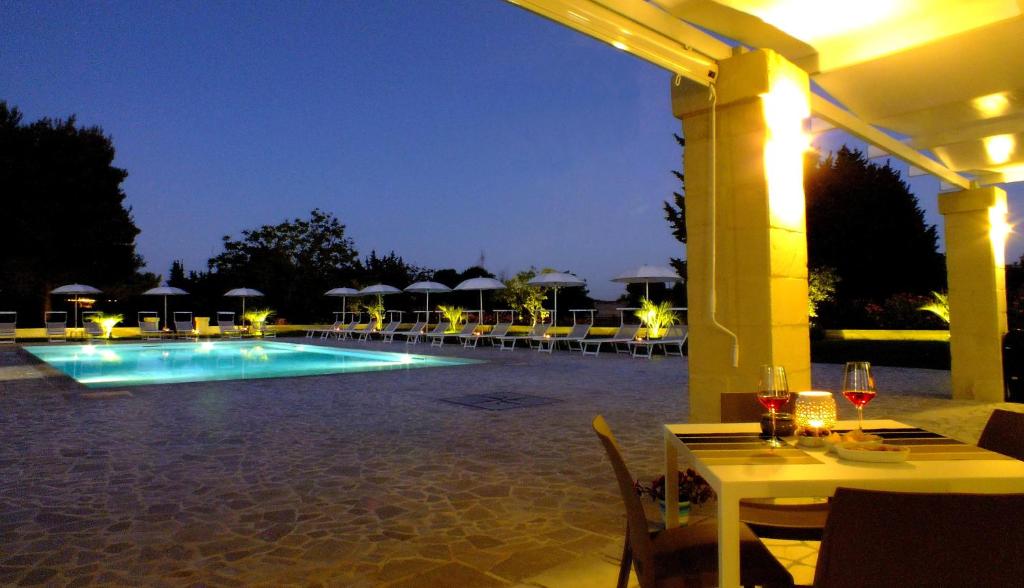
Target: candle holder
[[815, 415]]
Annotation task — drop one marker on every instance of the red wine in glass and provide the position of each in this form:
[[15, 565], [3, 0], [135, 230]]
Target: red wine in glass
[[773, 393], [858, 386], [773, 403]]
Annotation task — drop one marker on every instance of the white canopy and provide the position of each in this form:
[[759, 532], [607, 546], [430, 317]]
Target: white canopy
[[75, 289], [647, 274], [427, 288], [556, 280], [165, 291], [481, 284]]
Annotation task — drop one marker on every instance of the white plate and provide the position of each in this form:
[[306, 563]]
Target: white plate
[[853, 453]]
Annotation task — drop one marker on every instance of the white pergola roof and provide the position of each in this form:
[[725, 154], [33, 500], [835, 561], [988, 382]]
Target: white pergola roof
[[938, 83]]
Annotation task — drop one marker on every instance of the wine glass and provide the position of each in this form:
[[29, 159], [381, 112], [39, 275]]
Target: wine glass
[[858, 386], [773, 393]]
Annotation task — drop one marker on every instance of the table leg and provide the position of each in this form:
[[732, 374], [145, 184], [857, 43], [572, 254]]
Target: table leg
[[671, 481], [728, 540]]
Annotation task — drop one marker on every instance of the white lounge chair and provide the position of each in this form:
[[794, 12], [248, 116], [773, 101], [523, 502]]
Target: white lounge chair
[[389, 330], [149, 325], [371, 328], [90, 329], [498, 330], [356, 332], [675, 336], [438, 340], [268, 331], [576, 334], [8, 326], [337, 329], [183, 326], [416, 329], [314, 331], [56, 322], [623, 336], [439, 329], [227, 326], [508, 342]]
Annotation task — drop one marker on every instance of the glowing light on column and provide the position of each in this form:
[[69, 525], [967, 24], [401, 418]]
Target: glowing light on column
[[998, 230], [786, 106]]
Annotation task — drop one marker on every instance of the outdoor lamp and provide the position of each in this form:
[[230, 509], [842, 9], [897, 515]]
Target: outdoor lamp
[[815, 412]]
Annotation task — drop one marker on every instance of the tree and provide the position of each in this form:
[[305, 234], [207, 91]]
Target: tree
[[65, 212], [293, 262], [525, 300], [863, 221], [675, 214]]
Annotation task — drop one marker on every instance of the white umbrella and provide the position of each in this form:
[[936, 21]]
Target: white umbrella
[[556, 280], [343, 293], [427, 288], [244, 293], [77, 290], [165, 291], [481, 284], [646, 274], [382, 289]]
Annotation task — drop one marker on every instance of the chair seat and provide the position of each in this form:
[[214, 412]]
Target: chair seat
[[798, 522], [691, 552]]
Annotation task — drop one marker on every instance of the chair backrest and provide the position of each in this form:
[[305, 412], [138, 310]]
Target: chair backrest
[[182, 320], [627, 332], [500, 330], [440, 328], [55, 320], [579, 331], [468, 328], [1004, 433], [636, 520], [418, 327], [225, 319], [539, 329], [917, 539], [743, 407], [391, 327], [90, 327], [8, 318], [149, 320], [676, 332]]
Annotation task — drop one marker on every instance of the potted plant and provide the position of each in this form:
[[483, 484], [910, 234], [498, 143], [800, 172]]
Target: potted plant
[[656, 317], [693, 490]]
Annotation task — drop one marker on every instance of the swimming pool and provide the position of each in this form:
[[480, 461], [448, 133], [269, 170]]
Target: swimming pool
[[103, 366]]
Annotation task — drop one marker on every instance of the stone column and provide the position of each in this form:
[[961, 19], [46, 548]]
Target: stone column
[[760, 232], [975, 264]]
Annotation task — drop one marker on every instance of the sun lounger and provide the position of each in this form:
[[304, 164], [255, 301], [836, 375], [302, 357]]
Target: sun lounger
[[268, 331], [508, 342], [8, 326], [438, 340], [90, 329], [547, 344], [227, 326], [371, 327], [576, 335], [389, 337], [149, 325], [313, 331], [389, 329], [56, 325], [337, 329], [183, 327], [440, 328], [499, 330], [357, 333], [625, 334], [675, 336]]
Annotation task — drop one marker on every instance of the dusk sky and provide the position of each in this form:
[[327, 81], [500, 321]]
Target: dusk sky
[[439, 130]]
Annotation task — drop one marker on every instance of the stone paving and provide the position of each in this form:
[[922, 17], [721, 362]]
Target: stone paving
[[358, 479]]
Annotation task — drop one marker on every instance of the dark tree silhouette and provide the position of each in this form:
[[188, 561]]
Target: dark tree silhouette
[[65, 215], [863, 221], [675, 214]]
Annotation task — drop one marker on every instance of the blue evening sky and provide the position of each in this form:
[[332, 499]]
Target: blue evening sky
[[440, 130]]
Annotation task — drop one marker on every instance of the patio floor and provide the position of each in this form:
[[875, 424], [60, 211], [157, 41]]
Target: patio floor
[[403, 478]]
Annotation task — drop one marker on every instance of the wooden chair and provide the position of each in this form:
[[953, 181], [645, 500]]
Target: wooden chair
[[1004, 433], [682, 556], [914, 539], [801, 521]]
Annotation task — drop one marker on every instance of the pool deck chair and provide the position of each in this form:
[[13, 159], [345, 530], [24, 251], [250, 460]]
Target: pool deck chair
[[338, 330], [314, 331], [357, 333], [623, 336], [675, 337], [389, 337], [370, 329], [56, 325], [8, 326], [577, 333], [508, 342], [91, 330], [498, 330], [268, 331], [149, 325], [183, 326], [389, 329], [472, 339], [439, 329], [227, 326], [438, 339]]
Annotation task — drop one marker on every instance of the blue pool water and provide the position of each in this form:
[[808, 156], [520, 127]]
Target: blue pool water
[[103, 366]]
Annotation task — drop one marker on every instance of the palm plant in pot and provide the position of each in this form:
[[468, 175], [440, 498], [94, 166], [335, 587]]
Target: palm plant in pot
[[693, 490]]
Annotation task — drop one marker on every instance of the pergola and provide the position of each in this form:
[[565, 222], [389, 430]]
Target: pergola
[[938, 84]]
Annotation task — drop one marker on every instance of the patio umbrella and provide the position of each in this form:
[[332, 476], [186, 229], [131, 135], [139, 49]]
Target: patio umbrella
[[556, 280], [646, 274], [481, 284], [77, 290], [343, 293], [165, 291], [382, 289], [427, 288], [244, 293]]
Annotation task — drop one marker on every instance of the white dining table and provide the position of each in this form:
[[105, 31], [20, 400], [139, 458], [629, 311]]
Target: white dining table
[[815, 473]]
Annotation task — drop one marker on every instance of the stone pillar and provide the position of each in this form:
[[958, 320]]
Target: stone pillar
[[975, 264], [761, 237]]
